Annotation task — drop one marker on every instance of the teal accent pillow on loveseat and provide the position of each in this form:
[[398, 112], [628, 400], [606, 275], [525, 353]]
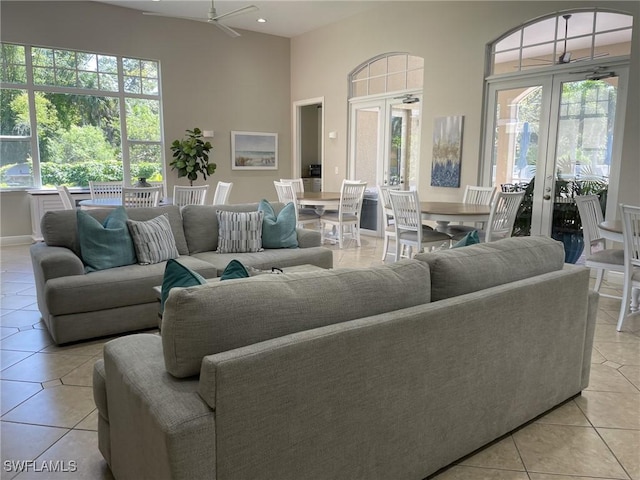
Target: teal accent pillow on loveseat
[[177, 275], [105, 245], [278, 231]]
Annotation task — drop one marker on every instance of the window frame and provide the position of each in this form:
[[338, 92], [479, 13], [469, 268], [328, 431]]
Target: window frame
[[121, 95]]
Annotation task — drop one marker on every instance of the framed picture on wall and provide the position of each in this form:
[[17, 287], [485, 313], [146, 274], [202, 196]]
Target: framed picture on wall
[[447, 151], [254, 151]]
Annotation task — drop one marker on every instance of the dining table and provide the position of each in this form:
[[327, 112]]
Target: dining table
[[444, 213], [320, 200], [611, 230]]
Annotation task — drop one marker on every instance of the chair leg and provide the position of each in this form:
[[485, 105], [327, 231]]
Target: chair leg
[[385, 247], [599, 277], [340, 234], [624, 306], [357, 233]]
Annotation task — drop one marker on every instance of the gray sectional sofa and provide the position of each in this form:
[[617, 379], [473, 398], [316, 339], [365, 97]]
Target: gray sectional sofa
[[389, 372], [76, 305]]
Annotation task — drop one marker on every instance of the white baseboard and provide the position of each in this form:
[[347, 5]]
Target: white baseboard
[[16, 240]]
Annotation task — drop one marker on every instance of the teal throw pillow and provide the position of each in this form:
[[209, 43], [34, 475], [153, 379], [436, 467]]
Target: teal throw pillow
[[105, 245], [177, 275], [234, 269], [470, 238], [278, 231]]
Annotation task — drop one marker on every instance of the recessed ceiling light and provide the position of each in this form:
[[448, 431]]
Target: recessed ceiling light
[[262, 20]]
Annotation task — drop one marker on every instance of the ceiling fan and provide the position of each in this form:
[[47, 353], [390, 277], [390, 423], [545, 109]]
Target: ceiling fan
[[214, 18], [565, 56]]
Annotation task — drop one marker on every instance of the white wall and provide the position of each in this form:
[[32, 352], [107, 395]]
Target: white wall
[[451, 37], [209, 80]]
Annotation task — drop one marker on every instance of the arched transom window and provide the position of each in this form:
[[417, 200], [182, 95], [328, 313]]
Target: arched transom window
[[391, 72], [563, 38]]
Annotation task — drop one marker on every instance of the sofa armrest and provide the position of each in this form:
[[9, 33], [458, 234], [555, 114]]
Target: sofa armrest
[[53, 262], [308, 238]]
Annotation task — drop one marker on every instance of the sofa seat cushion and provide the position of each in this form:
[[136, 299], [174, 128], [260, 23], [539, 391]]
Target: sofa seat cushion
[[476, 267], [281, 258], [112, 288], [216, 317]]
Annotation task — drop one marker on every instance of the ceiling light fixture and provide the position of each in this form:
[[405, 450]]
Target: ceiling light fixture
[[261, 20]]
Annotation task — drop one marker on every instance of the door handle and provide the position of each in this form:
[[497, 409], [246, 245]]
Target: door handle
[[547, 197]]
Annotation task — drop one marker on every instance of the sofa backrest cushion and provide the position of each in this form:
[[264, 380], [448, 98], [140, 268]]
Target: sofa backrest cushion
[[59, 227], [220, 316], [201, 223], [476, 267]]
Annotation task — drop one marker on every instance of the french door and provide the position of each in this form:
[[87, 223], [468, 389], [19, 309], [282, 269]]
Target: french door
[[555, 129], [385, 142]]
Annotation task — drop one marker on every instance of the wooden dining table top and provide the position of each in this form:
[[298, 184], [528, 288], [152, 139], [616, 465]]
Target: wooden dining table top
[[614, 226], [324, 196]]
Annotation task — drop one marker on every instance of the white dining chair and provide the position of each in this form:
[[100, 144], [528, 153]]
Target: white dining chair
[[298, 186], [67, 200], [183, 195], [410, 231], [631, 242], [349, 211], [473, 195], [221, 195], [387, 218], [287, 194], [137, 197], [105, 189], [504, 209], [597, 256]]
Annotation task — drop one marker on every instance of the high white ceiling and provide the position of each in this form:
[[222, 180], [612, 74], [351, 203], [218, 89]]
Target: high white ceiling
[[286, 18]]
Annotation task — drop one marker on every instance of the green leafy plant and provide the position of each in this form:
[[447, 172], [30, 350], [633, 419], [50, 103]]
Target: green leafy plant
[[191, 156]]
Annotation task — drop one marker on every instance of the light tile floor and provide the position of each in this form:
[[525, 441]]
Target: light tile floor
[[48, 414]]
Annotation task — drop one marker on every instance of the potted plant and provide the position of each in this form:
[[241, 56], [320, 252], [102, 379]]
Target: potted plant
[[566, 224], [191, 156]]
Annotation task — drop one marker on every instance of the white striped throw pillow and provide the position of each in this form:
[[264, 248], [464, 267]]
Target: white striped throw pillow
[[153, 240], [239, 231]]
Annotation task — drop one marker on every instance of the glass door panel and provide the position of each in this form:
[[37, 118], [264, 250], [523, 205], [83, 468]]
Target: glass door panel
[[404, 145]]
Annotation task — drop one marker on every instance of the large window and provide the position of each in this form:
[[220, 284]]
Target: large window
[[69, 117]]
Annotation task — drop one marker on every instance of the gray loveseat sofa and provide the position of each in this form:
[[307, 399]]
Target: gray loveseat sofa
[[389, 372], [76, 305]]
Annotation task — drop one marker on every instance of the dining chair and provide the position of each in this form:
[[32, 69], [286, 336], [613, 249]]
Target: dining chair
[[67, 200], [349, 210], [597, 256], [287, 194], [410, 231], [105, 189], [189, 195], [504, 209], [387, 217], [631, 243], [137, 197], [473, 195], [221, 195], [298, 186]]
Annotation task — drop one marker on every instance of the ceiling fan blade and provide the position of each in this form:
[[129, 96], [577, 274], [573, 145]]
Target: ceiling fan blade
[[154, 14], [228, 30], [238, 11]]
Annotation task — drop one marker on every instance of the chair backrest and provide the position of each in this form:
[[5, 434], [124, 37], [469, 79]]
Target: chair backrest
[[135, 197], [406, 211], [351, 195], [504, 209], [387, 210], [631, 236], [159, 184], [105, 189], [189, 195], [298, 184], [286, 194], [67, 199], [221, 195], [590, 216], [478, 195]]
